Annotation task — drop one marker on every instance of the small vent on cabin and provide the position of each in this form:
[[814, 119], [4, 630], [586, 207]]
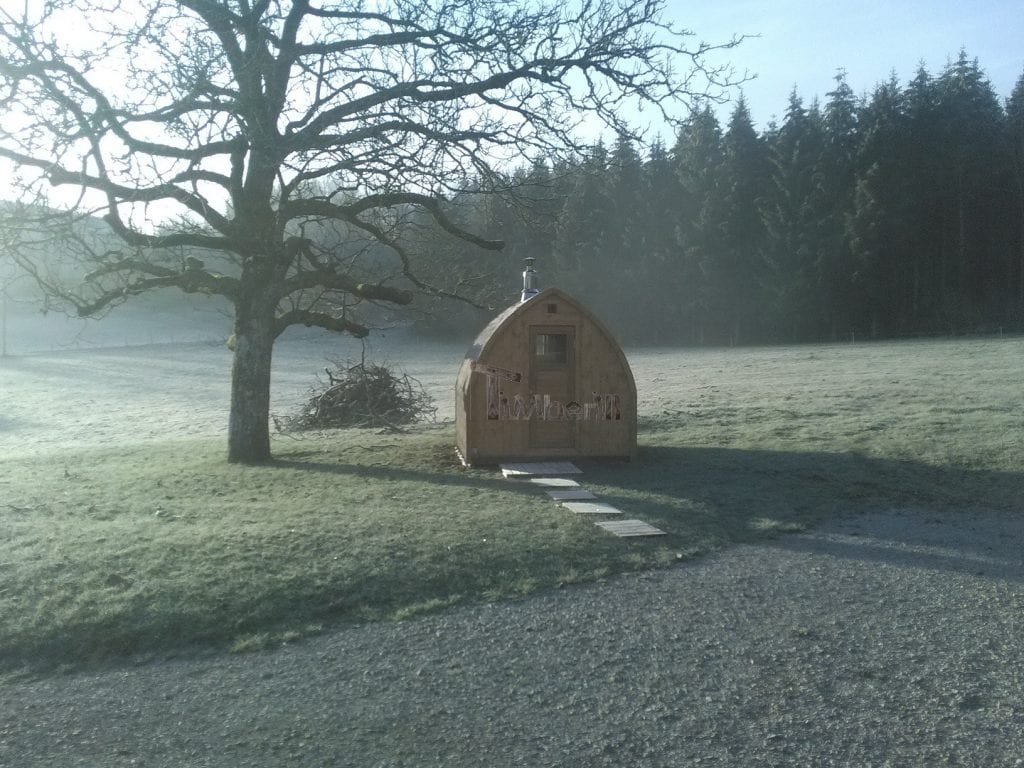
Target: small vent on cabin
[[552, 309]]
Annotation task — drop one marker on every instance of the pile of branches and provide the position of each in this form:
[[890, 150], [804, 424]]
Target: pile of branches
[[363, 395]]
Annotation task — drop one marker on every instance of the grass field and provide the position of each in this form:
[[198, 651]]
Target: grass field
[[143, 539]]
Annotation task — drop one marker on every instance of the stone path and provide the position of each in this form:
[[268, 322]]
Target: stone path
[[568, 493]]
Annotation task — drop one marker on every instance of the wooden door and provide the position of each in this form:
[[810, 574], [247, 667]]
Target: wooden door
[[553, 380]]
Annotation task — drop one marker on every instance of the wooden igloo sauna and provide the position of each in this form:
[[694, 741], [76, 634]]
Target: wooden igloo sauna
[[545, 380]]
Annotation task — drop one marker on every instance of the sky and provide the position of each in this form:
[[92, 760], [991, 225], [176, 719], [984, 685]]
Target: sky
[[803, 43]]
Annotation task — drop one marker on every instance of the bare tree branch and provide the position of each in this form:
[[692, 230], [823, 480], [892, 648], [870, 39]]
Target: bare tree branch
[[310, 319], [246, 130]]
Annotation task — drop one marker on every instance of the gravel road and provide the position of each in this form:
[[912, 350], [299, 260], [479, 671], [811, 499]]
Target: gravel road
[[894, 638]]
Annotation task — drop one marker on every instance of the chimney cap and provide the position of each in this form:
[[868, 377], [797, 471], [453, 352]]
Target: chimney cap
[[530, 275]]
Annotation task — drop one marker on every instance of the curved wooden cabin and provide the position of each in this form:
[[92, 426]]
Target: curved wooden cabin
[[545, 380]]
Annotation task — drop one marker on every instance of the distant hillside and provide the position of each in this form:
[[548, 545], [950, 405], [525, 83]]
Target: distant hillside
[[34, 324]]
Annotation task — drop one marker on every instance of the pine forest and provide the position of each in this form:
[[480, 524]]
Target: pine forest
[[898, 213]]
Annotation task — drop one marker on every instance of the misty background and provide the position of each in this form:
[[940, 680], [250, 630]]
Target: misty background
[[895, 214]]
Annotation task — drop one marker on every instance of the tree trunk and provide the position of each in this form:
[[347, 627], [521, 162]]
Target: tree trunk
[[248, 424]]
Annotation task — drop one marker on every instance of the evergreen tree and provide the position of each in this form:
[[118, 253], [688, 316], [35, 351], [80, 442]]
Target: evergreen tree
[[736, 273], [536, 210], [837, 169], [885, 276], [624, 185], [663, 280], [792, 214], [583, 230], [973, 203], [923, 175], [1015, 142], [698, 158]]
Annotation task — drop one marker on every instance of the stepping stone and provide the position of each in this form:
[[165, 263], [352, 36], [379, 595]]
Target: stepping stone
[[536, 469], [591, 508], [626, 528], [553, 482], [572, 494]]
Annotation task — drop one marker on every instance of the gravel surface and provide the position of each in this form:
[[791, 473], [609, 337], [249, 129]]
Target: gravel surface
[[887, 639]]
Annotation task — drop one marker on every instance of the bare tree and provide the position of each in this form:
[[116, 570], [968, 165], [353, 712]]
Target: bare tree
[[235, 128]]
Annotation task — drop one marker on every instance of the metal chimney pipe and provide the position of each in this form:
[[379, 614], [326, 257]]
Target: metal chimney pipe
[[530, 276]]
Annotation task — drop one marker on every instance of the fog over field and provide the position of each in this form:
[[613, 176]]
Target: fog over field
[[149, 374], [145, 374]]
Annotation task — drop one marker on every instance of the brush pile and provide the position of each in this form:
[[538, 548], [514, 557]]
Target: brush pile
[[363, 395]]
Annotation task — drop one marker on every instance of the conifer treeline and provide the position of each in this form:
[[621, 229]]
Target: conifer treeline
[[894, 215]]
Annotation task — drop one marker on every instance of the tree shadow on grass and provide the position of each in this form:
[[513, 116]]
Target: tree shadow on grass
[[733, 496], [475, 478], [712, 497], [704, 498], [707, 499]]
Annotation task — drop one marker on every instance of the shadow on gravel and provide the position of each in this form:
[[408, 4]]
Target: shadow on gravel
[[915, 545]]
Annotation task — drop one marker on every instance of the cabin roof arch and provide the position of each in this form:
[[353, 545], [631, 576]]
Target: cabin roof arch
[[478, 351]]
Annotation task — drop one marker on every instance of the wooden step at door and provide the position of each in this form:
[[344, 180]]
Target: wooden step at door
[[628, 528], [539, 469], [591, 508]]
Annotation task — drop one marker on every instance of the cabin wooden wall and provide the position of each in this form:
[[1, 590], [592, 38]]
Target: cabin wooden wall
[[602, 412]]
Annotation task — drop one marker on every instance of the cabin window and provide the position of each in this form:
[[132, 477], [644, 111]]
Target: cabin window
[[551, 348]]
